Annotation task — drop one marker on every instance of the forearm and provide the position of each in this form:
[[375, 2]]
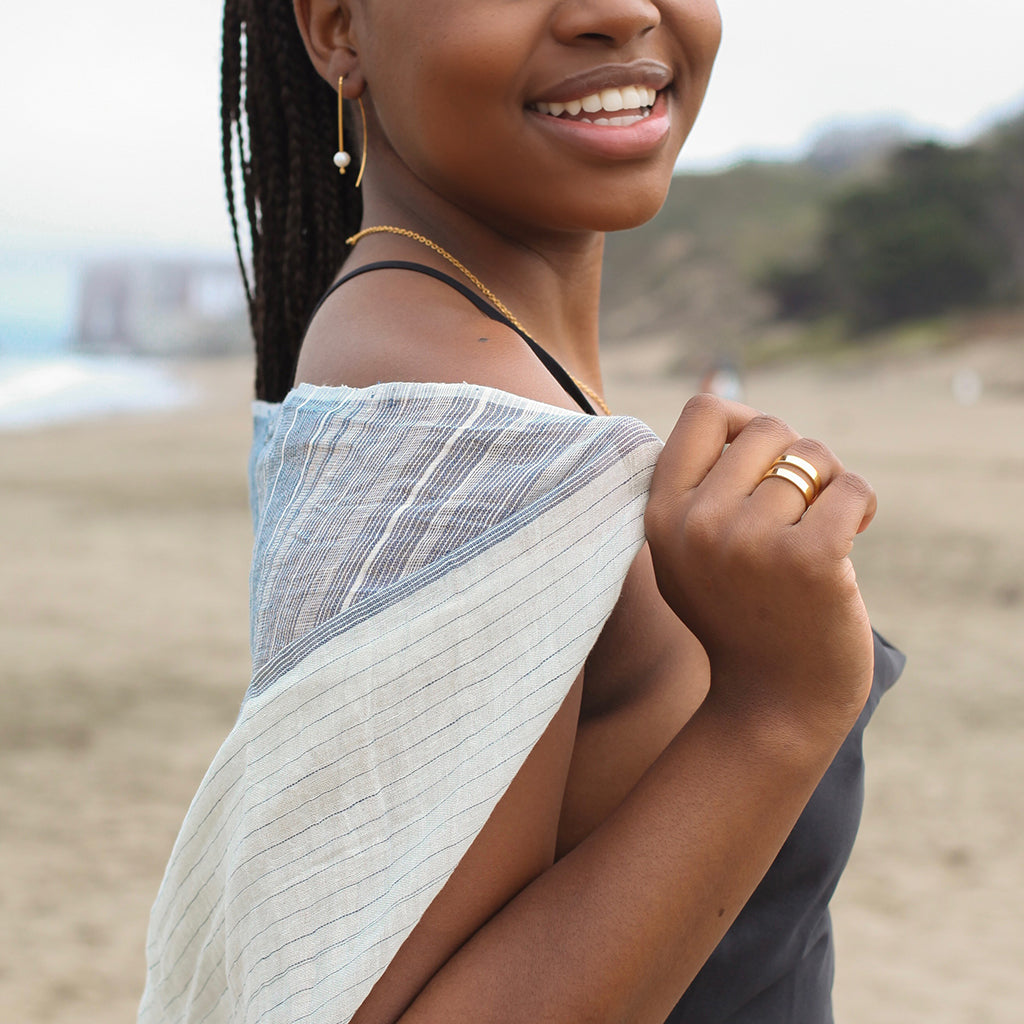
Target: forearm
[[617, 929]]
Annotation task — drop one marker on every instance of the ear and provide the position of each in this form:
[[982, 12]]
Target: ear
[[326, 29]]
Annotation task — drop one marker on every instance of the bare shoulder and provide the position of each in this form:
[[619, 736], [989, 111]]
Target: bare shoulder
[[400, 325]]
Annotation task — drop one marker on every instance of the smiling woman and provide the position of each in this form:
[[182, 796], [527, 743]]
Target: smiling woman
[[536, 700]]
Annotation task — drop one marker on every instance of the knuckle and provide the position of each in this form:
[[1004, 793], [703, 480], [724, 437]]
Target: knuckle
[[704, 404], [772, 427], [817, 453], [703, 525], [854, 485]]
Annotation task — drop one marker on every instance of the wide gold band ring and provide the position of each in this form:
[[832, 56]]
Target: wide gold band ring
[[800, 473], [804, 466]]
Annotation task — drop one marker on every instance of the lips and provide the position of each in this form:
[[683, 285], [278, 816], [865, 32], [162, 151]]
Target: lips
[[614, 112], [625, 135], [640, 75]]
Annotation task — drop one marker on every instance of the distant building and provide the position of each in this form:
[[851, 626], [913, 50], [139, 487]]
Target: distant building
[[162, 307]]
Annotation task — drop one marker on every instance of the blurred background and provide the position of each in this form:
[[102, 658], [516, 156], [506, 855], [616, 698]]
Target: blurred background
[[843, 246]]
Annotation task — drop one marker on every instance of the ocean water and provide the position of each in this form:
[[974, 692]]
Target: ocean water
[[41, 380], [41, 390]]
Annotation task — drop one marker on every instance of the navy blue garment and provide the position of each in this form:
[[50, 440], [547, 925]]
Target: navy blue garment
[[775, 964]]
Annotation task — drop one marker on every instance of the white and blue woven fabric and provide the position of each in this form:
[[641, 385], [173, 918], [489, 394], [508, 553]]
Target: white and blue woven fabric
[[432, 565]]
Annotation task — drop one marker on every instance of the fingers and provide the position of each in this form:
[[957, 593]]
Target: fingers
[[845, 508], [705, 426], [720, 454], [736, 479], [809, 469], [811, 477]]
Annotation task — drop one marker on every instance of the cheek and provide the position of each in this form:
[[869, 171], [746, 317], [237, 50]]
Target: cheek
[[448, 96], [698, 26]]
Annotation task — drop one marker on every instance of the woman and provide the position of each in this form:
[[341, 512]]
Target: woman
[[500, 758]]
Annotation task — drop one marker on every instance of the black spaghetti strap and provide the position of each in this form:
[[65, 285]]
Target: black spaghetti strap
[[555, 368]]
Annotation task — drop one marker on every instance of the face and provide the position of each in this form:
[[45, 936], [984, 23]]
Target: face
[[546, 114]]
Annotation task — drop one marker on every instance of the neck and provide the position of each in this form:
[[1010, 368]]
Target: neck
[[550, 282]]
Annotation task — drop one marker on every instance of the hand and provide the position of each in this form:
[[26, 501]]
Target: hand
[[763, 580]]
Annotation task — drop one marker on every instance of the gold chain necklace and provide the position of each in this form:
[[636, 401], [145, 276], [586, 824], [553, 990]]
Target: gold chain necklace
[[487, 293]]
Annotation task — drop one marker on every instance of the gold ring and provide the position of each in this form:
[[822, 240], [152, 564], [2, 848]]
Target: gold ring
[[805, 487], [804, 466]]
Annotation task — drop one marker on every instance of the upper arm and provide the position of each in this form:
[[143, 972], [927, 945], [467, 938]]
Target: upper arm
[[515, 846], [646, 675]]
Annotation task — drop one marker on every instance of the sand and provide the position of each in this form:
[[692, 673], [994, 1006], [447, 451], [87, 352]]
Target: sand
[[123, 627]]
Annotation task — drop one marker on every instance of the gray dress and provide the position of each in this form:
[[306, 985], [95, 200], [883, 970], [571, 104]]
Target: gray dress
[[775, 964]]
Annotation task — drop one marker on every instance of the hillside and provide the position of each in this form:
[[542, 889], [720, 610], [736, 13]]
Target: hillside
[[695, 275], [689, 272]]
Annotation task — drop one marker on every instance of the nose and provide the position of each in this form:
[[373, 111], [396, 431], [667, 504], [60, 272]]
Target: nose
[[609, 23]]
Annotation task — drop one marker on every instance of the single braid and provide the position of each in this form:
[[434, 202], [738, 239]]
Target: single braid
[[278, 128]]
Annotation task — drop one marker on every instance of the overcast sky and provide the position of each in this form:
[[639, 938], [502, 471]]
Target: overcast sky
[[109, 117]]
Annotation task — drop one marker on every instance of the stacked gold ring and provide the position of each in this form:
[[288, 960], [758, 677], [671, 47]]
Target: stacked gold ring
[[800, 473]]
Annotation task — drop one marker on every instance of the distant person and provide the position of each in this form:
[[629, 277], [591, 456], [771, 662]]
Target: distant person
[[723, 379], [536, 699]]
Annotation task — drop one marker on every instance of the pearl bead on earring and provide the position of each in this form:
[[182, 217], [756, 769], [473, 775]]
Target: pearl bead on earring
[[342, 160]]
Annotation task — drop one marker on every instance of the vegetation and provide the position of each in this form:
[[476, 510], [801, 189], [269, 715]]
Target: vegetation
[[845, 246], [937, 233]]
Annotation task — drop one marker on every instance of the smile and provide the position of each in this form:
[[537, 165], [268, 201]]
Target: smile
[[617, 108]]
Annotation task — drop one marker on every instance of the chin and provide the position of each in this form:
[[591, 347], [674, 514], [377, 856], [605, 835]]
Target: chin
[[631, 209], [626, 220]]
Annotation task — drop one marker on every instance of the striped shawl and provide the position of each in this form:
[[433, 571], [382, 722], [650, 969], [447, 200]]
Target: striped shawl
[[432, 565]]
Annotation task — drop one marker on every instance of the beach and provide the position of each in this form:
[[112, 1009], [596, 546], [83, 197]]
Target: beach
[[124, 626]]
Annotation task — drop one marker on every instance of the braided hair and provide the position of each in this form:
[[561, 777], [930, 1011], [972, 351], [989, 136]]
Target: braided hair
[[278, 137]]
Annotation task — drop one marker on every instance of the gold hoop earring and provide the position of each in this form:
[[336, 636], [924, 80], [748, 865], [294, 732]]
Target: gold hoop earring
[[342, 159], [362, 159]]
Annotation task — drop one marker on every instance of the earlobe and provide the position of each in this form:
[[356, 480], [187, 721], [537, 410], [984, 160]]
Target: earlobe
[[325, 26]]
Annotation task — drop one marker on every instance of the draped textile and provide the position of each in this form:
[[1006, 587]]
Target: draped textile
[[432, 565]]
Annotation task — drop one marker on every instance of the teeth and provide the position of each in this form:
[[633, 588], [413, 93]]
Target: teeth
[[620, 122], [631, 98], [611, 101]]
